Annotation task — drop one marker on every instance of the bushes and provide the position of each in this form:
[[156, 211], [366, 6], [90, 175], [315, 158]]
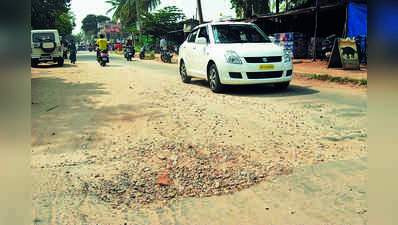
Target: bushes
[[150, 55], [361, 82]]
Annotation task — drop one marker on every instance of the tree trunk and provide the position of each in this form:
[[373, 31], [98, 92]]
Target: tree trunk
[[199, 5], [138, 19], [316, 27], [277, 6]]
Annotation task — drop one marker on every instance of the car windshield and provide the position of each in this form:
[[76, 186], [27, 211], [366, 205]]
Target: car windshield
[[239, 34], [43, 37]]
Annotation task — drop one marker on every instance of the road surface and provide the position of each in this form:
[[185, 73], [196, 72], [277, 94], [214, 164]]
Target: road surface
[[102, 137]]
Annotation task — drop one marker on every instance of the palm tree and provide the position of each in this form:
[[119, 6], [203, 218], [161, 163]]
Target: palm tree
[[126, 8]]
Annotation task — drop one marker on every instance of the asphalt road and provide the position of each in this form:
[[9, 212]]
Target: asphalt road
[[86, 119]]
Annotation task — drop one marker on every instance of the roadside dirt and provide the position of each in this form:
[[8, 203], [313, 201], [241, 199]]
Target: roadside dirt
[[116, 130]]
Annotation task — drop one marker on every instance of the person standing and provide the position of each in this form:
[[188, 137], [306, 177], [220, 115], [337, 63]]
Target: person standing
[[119, 47], [163, 44], [72, 51]]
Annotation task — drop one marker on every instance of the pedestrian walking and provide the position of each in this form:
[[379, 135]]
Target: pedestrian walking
[[72, 51]]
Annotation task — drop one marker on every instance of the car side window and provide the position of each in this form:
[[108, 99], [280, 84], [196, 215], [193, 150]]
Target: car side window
[[192, 36], [204, 33]]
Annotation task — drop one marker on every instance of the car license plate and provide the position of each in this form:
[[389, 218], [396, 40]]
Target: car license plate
[[266, 67], [48, 45], [46, 57]]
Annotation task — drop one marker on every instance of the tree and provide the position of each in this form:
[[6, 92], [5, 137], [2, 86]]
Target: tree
[[129, 11], [90, 24], [65, 24], [162, 21], [246, 8], [78, 37], [52, 14]]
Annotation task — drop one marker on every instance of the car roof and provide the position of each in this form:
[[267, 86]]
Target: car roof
[[223, 23], [44, 31]]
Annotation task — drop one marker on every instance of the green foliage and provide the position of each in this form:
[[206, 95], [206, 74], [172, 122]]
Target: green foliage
[[90, 24], [52, 14], [78, 37], [65, 24], [126, 11], [246, 7], [337, 79], [363, 82], [150, 56], [162, 21]]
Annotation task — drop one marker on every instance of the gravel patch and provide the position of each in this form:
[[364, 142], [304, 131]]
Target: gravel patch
[[185, 171]]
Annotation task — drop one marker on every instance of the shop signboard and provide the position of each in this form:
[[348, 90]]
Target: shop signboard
[[344, 54]]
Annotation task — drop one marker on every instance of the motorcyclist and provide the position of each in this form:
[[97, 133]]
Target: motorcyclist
[[102, 44], [129, 42], [129, 45]]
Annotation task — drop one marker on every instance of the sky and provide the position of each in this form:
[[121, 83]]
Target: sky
[[211, 9]]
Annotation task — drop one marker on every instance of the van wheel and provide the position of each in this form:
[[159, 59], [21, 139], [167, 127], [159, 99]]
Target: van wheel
[[34, 63], [214, 80], [60, 62]]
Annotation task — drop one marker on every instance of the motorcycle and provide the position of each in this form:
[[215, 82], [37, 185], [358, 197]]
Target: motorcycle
[[327, 46], [166, 56], [142, 53], [103, 58], [129, 53]]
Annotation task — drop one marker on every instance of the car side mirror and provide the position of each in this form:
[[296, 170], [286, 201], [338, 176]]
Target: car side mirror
[[201, 41]]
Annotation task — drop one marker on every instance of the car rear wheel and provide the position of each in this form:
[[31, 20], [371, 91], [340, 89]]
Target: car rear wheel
[[282, 86], [214, 80], [183, 73]]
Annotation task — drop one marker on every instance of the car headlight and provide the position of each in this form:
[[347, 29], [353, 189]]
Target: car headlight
[[232, 57], [286, 56]]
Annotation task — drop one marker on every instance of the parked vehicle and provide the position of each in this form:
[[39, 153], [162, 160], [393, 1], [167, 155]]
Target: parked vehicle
[[165, 56], [142, 53], [327, 46], [46, 47], [129, 52], [82, 48], [103, 58], [233, 53]]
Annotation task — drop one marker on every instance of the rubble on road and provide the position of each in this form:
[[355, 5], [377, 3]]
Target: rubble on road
[[200, 171]]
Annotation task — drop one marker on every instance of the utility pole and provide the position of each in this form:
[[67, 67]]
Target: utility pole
[[316, 27], [138, 19], [199, 6], [277, 6]]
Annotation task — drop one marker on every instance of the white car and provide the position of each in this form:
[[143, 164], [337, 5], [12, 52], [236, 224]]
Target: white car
[[233, 53]]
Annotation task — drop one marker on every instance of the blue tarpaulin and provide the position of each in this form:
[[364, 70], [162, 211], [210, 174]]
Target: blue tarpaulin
[[357, 20]]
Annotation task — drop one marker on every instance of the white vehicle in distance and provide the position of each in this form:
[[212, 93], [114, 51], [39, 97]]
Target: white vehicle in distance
[[233, 53], [46, 47]]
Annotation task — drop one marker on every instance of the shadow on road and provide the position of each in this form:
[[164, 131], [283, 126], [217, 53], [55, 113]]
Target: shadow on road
[[47, 66], [261, 90], [71, 116]]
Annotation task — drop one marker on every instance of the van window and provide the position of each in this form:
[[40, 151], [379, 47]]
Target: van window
[[43, 37]]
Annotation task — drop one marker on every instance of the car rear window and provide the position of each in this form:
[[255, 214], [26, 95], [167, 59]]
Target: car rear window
[[43, 37]]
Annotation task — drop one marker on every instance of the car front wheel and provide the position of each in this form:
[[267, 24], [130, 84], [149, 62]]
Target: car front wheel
[[183, 73], [214, 80]]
